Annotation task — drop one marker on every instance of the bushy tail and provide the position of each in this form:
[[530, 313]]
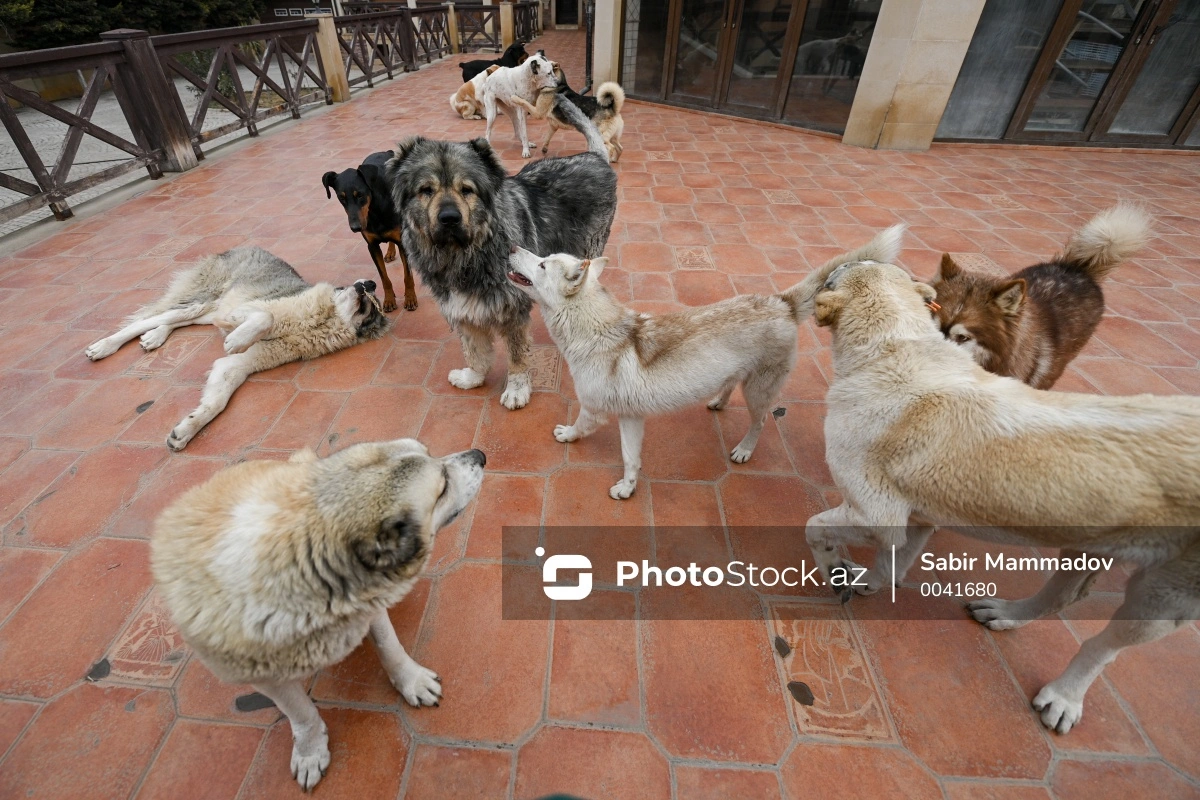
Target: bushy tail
[[883, 248], [582, 124], [611, 95], [1109, 238]]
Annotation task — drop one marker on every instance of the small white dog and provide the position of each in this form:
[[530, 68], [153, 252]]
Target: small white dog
[[635, 365], [525, 81], [269, 316]]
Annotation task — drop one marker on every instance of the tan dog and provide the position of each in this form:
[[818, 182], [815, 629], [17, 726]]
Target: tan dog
[[466, 101], [274, 570], [914, 426]]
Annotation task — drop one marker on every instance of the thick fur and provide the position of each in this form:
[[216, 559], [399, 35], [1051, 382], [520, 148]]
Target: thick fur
[[604, 110], [367, 200], [507, 84], [466, 101], [915, 426], [267, 313], [462, 213], [274, 570], [635, 365], [1033, 323], [514, 56]]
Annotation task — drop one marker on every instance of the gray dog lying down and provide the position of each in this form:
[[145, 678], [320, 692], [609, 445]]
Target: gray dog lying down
[[462, 212], [635, 365], [269, 316]]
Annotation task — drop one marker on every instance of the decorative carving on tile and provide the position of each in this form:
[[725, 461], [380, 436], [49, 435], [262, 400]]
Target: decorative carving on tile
[[150, 650], [544, 365], [693, 258]]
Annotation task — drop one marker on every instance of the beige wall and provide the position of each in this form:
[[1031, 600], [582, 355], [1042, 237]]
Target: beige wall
[[606, 45], [916, 51]]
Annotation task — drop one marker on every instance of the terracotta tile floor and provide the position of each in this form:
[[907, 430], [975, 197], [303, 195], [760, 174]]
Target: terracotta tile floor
[[709, 207]]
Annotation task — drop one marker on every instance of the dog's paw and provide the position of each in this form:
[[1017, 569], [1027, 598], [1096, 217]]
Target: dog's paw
[[410, 305], [740, 455], [1059, 712], [516, 392], [179, 437], [870, 581], [465, 378], [419, 686], [309, 763], [716, 404], [389, 304], [997, 614], [101, 349], [390, 255], [526, 154], [622, 490], [154, 339], [566, 433], [235, 344]]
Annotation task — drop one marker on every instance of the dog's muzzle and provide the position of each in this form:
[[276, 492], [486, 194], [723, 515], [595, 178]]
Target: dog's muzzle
[[449, 216], [363, 287], [518, 278]]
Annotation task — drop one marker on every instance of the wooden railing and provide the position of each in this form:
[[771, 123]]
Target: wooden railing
[[432, 30], [478, 27], [375, 44], [281, 57], [526, 20]]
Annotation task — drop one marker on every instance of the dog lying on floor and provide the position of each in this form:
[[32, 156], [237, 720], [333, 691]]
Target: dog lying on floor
[[462, 214], [267, 313], [1033, 323], [604, 110], [915, 426], [274, 570], [466, 101], [367, 200], [506, 84], [635, 365]]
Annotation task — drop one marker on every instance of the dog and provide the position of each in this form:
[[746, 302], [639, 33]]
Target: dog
[[635, 365], [367, 199], [1032, 324], [463, 212], [465, 101], [514, 56], [274, 570], [819, 56], [508, 83], [915, 426], [604, 110], [267, 313]]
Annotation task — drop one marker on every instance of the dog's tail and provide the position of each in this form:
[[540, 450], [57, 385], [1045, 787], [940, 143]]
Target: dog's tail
[[610, 95], [1109, 238], [581, 123], [883, 248]]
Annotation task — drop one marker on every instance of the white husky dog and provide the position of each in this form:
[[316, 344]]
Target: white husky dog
[[634, 365]]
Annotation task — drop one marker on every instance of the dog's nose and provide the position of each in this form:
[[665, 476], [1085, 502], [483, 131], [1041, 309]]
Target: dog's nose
[[369, 285], [478, 457], [355, 226], [448, 215], [514, 250]]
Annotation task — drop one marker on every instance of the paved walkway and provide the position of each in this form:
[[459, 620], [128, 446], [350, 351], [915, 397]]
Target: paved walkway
[[709, 207]]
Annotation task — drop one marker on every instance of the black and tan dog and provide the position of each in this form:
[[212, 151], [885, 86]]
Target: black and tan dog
[[365, 194], [514, 56]]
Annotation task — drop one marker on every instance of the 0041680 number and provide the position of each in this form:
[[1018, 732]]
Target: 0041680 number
[[958, 590]]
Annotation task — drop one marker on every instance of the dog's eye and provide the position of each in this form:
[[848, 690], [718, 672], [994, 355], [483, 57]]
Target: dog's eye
[[542, 265], [425, 191], [445, 483], [962, 338], [467, 191]]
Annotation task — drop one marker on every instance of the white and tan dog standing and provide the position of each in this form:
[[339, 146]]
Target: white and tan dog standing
[[273, 570], [635, 365], [915, 427], [525, 82], [467, 101]]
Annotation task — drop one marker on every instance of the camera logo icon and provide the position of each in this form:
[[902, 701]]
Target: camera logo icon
[[564, 562]]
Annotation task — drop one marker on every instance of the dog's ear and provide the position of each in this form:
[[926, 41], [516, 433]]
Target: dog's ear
[[327, 181], [489, 158], [403, 149], [533, 66], [397, 542], [947, 269], [827, 306], [577, 277], [596, 267], [1009, 295]]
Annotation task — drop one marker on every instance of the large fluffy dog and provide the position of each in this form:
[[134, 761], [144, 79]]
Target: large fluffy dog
[[1031, 324], [507, 84], [915, 426], [268, 314], [462, 213], [274, 570], [604, 110], [635, 365]]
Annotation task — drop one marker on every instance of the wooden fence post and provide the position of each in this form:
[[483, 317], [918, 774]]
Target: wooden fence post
[[452, 29], [155, 114], [329, 50], [506, 25]]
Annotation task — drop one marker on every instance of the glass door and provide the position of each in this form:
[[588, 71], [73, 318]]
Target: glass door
[[763, 52], [701, 50]]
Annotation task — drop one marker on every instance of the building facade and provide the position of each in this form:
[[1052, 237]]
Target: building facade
[[899, 74]]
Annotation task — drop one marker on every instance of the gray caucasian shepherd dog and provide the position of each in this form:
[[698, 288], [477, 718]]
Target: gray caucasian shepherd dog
[[462, 215], [268, 314]]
